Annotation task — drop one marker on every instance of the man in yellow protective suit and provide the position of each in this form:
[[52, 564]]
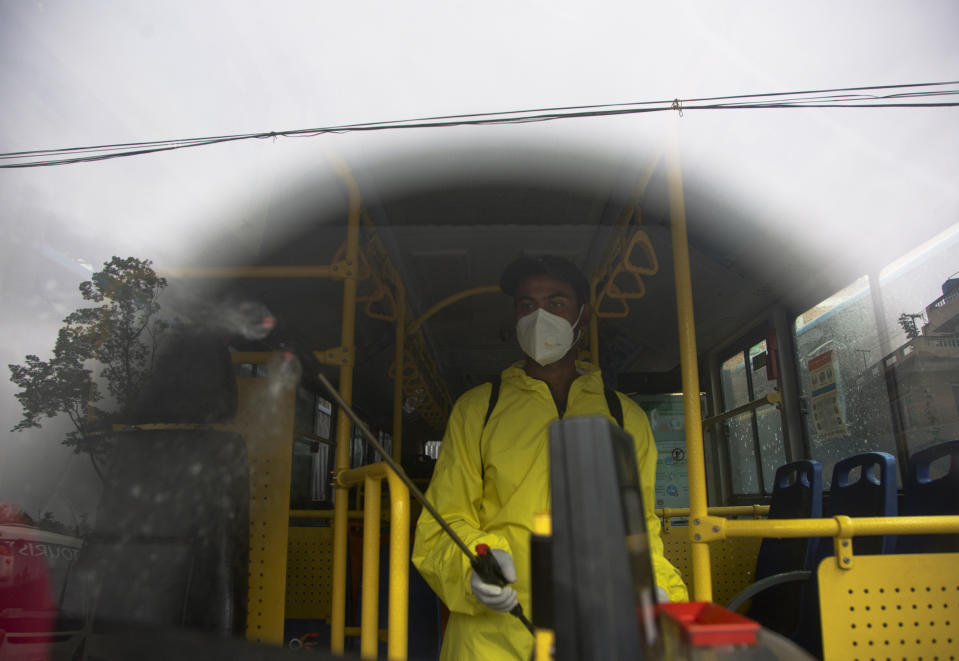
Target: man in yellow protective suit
[[492, 474]]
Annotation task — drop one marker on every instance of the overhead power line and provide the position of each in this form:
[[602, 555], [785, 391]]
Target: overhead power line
[[910, 95]]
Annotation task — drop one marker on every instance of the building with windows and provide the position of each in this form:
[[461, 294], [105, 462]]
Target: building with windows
[[923, 376]]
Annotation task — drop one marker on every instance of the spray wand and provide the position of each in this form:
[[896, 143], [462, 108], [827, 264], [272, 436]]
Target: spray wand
[[482, 562]]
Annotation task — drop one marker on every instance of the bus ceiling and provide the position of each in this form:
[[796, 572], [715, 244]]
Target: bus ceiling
[[449, 221]]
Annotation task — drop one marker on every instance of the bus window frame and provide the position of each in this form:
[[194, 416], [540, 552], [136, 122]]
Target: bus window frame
[[795, 441]]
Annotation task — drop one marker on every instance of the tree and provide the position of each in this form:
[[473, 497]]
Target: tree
[[908, 322], [113, 342], [50, 523]]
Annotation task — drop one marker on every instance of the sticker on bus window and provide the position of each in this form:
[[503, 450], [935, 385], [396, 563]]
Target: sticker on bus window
[[826, 408]]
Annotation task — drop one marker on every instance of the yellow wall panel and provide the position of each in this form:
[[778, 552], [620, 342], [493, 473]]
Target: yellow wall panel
[[265, 418], [890, 606], [733, 562], [309, 571]]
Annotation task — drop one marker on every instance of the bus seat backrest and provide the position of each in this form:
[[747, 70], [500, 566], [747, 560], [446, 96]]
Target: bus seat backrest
[[864, 485], [797, 494], [926, 493], [797, 491]]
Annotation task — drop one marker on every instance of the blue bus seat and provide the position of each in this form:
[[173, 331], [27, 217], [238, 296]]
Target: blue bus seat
[[870, 493], [797, 494], [862, 485], [924, 495]]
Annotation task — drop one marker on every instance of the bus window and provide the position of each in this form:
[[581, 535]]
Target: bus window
[[846, 409], [769, 427], [879, 359], [920, 302], [742, 450], [323, 418], [755, 437], [312, 451]]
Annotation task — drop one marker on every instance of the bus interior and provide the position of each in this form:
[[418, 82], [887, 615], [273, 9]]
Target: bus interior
[[810, 339]]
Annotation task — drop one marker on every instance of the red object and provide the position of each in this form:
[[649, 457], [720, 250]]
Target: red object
[[6, 564], [707, 624], [772, 355], [482, 549]]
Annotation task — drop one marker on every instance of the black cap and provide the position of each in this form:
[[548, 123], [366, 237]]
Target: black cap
[[551, 265]]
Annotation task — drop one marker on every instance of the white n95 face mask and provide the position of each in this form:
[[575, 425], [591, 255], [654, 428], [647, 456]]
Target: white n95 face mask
[[544, 336]]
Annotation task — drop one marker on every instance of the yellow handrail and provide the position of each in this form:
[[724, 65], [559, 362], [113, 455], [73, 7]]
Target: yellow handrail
[[449, 300], [715, 528], [770, 399], [370, 586], [631, 214], [322, 514], [397, 608], [729, 510]]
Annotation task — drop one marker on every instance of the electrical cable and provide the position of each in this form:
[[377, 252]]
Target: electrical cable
[[849, 97]]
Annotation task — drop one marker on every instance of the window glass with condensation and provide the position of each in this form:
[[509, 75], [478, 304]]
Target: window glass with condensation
[[879, 370], [845, 405], [920, 312], [769, 428], [739, 434], [744, 379]]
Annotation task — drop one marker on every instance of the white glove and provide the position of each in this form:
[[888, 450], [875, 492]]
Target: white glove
[[661, 595], [498, 598]]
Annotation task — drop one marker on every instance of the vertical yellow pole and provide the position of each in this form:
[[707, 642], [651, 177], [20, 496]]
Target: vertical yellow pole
[[687, 350], [341, 494], [369, 615], [398, 606], [545, 638], [400, 343], [593, 326]]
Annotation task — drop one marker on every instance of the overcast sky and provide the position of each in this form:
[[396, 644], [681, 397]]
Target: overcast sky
[[75, 73]]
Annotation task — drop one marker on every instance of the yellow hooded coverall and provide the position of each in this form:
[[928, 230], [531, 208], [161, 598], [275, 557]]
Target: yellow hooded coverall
[[489, 486]]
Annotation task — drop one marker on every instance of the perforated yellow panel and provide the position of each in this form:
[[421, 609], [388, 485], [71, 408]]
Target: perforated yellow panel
[[265, 418], [309, 568], [733, 565], [732, 562], [676, 550], [891, 607]]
